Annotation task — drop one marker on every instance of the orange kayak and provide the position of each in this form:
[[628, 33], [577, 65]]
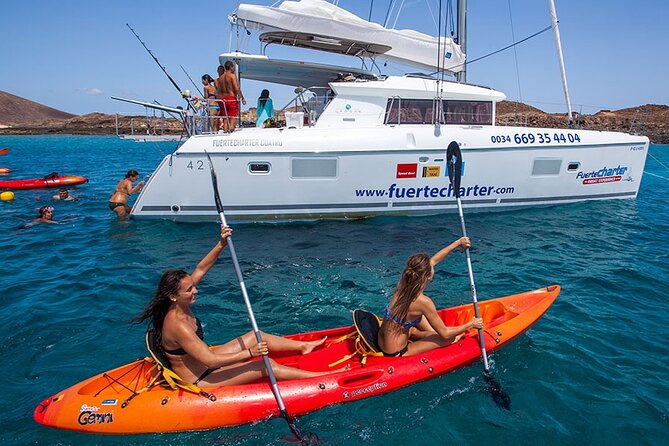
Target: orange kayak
[[113, 403], [4, 170]]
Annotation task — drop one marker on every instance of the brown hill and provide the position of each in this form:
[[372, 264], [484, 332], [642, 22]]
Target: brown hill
[[15, 110], [650, 120]]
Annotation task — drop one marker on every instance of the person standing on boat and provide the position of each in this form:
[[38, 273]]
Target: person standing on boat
[[411, 324], [182, 337], [231, 94], [223, 111], [265, 109], [211, 96], [118, 202]]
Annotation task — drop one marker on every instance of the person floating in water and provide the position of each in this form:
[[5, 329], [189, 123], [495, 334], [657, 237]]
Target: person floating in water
[[119, 199], [64, 195], [181, 336], [45, 216], [411, 324]]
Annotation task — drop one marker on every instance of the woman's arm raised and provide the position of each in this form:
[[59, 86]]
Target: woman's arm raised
[[462, 242], [208, 261]]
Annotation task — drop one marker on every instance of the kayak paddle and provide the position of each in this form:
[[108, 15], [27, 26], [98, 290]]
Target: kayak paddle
[[3, 151], [454, 164], [238, 271]]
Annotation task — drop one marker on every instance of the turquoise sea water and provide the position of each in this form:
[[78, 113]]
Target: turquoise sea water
[[593, 370]]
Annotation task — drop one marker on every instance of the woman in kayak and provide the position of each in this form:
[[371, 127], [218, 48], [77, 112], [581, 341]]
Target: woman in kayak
[[182, 337], [118, 202], [411, 324]]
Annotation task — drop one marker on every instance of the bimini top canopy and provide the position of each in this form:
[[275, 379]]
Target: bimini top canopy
[[346, 47], [320, 25], [293, 73]]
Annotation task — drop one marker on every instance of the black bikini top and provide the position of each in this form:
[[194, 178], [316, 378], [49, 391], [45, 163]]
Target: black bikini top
[[180, 351]]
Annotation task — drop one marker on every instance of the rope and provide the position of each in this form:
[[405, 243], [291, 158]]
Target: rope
[[667, 168], [655, 175], [503, 49]]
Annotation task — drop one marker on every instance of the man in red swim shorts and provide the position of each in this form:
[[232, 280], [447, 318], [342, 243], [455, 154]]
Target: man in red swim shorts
[[230, 92]]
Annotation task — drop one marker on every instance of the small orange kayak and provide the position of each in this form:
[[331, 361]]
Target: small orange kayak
[[120, 401], [4, 170], [40, 183]]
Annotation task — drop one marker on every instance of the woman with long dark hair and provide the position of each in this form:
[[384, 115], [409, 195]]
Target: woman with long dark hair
[[265, 109], [212, 100], [182, 336], [411, 324]]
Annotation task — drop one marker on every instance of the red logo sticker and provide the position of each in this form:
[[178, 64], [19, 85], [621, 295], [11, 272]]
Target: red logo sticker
[[407, 170]]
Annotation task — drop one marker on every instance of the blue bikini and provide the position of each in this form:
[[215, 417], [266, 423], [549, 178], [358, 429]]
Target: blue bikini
[[389, 315]]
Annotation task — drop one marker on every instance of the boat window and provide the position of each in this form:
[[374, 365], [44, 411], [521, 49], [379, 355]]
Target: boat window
[[573, 166], [409, 111], [313, 168], [422, 111], [468, 112], [546, 166], [259, 168]]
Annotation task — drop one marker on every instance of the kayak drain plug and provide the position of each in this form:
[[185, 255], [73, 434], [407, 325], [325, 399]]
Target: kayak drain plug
[[165, 400]]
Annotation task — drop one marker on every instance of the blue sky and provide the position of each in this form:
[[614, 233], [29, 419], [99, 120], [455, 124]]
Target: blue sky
[[74, 55]]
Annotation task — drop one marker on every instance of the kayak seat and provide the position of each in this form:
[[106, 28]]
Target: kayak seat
[[162, 364], [365, 337]]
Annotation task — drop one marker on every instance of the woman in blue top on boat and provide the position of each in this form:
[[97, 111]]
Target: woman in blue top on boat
[[265, 109], [182, 336], [411, 324]]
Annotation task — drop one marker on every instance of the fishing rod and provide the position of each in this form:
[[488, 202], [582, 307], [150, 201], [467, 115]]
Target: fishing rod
[[183, 93], [191, 81]]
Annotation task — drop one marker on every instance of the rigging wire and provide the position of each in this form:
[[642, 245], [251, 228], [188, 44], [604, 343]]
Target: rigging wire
[[515, 53], [503, 49], [429, 8], [399, 11], [391, 6]]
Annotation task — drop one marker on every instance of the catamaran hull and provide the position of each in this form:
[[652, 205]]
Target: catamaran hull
[[311, 173]]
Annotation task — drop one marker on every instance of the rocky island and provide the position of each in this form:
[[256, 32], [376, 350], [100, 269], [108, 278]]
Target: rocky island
[[19, 116]]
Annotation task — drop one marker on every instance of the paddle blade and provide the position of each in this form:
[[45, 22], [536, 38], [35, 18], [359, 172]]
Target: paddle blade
[[499, 396], [214, 183], [454, 165], [4, 150]]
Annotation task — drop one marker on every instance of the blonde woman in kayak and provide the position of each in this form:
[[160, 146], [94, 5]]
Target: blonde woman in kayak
[[182, 336], [118, 202], [411, 324]]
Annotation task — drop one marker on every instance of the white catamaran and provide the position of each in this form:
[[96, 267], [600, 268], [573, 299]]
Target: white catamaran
[[365, 144]]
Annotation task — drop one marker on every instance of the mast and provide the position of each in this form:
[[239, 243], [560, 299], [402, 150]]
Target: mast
[[462, 37], [558, 45]]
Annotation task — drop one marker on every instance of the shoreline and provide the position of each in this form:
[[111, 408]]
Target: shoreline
[[648, 120]]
